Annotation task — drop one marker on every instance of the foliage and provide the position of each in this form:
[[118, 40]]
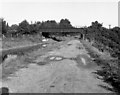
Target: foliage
[[34, 28], [65, 23], [23, 27], [49, 24], [106, 39], [12, 31], [4, 25], [103, 38]]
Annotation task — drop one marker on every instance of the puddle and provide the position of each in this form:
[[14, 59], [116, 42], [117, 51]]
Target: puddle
[[44, 40], [46, 60], [83, 61], [44, 45], [52, 58], [42, 63], [56, 58]]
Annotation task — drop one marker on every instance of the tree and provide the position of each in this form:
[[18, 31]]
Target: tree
[[0, 27], [34, 28], [4, 26], [24, 27], [13, 30], [14, 27], [65, 23], [49, 24], [96, 25], [117, 31]]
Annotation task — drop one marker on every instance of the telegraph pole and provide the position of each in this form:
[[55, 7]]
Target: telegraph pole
[[109, 26]]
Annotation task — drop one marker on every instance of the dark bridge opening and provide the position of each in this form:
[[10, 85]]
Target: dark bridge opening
[[46, 34], [54, 36]]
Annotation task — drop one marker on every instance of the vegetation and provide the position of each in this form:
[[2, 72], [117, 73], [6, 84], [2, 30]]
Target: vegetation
[[4, 26], [104, 39], [24, 28]]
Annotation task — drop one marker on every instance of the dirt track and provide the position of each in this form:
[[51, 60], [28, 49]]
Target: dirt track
[[65, 69]]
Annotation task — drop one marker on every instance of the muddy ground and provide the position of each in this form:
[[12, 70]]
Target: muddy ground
[[58, 67]]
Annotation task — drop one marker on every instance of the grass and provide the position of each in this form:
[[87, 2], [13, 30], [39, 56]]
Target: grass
[[110, 70], [9, 68], [20, 41], [25, 57], [22, 61]]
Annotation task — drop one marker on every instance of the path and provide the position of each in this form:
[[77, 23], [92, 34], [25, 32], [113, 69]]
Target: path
[[71, 73]]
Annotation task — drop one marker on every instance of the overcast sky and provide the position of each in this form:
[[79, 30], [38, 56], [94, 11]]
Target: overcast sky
[[78, 12]]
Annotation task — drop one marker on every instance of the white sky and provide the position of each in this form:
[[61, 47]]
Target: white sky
[[78, 12]]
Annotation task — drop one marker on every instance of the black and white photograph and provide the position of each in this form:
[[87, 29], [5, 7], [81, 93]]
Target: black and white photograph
[[59, 46]]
